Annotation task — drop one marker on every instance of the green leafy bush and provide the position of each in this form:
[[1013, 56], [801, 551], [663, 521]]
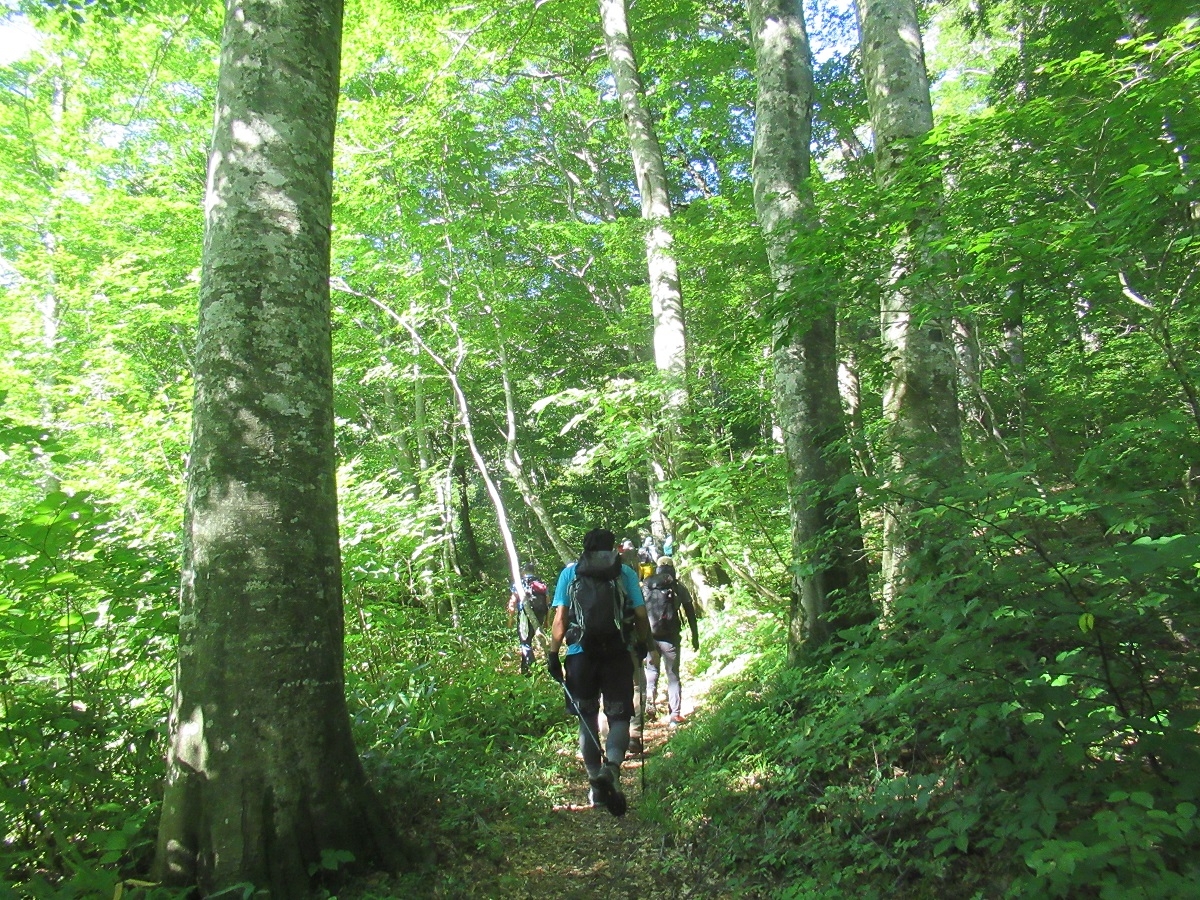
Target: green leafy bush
[[1024, 725], [86, 640], [447, 724]]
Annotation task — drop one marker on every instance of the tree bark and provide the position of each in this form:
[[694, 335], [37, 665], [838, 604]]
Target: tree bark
[[666, 293], [827, 554], [516, 471], [920, 406], [262, 773], [466, 531]]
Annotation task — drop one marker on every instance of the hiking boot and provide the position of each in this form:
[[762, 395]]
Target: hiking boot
[[605, 792], [676, 719], [635, 746]]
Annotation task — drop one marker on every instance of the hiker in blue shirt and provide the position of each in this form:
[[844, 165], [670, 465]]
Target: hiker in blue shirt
[[600, 615]]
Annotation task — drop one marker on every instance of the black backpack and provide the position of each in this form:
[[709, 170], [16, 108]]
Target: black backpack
[[599, 617], [662, 608]]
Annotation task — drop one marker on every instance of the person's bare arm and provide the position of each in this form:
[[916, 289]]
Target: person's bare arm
[[558, 631]]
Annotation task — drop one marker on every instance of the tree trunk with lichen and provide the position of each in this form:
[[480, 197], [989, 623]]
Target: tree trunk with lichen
[[923, 441], [264, 785], [827, 555]]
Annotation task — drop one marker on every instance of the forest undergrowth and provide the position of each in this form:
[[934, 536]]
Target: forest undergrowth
[[499, 807], [1024, 726]]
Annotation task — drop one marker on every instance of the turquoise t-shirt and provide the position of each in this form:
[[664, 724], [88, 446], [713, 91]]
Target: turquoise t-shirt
[[562, 595]]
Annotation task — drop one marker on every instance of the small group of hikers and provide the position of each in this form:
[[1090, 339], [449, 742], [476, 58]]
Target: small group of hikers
[[622, 626]]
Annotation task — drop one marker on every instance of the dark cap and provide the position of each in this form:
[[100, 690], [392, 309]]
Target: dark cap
[[598, 539]]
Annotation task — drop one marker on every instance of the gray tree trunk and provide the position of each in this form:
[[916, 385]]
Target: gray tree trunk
[[920, 404], [827, 556], [666, 293], [262, 773]]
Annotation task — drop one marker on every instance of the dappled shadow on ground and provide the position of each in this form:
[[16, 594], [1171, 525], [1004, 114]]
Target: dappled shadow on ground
[[569, 851], [584, 853]]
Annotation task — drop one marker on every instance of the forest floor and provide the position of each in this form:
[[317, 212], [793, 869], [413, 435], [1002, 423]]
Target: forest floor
[[570, 851]]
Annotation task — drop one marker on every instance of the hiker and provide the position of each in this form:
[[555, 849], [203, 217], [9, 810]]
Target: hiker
[[666, 598], [645, 567], [600, 615], [629, 554], [651, 547], [528, 604]]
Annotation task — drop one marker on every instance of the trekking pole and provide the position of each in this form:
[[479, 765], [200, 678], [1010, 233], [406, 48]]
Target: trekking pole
[[642, 738], [582, 721]]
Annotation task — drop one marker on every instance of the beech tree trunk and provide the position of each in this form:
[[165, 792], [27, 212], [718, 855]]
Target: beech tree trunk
[[262, 774], [827, 555], [923, 440], [666, 294]]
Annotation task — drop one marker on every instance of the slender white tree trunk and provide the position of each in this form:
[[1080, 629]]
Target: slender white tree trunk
[[666, 294], [464, 413]]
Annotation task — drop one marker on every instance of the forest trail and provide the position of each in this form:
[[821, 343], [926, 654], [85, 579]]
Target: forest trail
[[574, 852]]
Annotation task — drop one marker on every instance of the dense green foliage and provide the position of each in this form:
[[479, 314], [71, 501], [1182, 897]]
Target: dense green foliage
[[1015, 734], [1025, 723]]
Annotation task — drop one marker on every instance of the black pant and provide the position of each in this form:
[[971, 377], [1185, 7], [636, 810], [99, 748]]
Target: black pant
[[592, 676]]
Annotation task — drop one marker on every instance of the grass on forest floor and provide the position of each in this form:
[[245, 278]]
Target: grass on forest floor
[[497, 800]]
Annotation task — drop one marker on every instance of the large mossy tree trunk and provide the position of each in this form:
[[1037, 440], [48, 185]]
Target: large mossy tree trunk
[[263, 779], [923, 441], [827, 553]]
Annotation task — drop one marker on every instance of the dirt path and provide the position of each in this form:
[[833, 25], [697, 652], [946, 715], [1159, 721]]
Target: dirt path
[[583, 852], [580, 853]]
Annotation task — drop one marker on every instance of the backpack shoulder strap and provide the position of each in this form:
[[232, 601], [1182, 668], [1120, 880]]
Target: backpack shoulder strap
[[626, 603]]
